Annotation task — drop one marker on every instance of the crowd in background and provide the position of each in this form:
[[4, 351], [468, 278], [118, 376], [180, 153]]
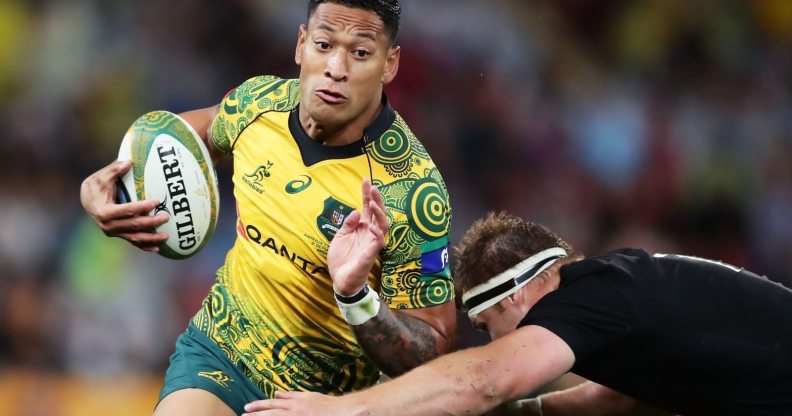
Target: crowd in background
[[659, 124]]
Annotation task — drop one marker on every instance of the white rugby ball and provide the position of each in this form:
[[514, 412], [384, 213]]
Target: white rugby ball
[[171, 163]]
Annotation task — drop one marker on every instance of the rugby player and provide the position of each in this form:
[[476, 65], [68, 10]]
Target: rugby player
[[274, 320], [686, 335]]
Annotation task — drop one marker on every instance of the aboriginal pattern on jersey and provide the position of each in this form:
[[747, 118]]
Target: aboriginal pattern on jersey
[[419, 212], [279, 360], [398, 150], [247, 102], [276, 337]]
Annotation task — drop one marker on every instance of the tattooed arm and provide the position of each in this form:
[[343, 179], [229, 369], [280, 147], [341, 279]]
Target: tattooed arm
[[400, 340], [396, 340]]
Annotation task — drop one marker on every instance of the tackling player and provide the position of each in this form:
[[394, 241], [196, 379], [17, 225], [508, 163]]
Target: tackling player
[[687, 335]]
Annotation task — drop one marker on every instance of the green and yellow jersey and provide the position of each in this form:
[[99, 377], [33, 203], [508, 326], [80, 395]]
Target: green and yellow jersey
[[272, 308]]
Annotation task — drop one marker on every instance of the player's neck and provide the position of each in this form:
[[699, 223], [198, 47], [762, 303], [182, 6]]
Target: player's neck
[[339, 135]]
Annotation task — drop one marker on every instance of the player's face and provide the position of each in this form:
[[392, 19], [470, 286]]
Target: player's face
[[345, 58]]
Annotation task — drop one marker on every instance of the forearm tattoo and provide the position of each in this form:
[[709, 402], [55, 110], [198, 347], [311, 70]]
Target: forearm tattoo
[[396, 343]]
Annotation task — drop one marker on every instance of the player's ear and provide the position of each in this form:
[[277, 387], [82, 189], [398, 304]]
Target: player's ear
[[518, 297], [391, 64], [301, 34]]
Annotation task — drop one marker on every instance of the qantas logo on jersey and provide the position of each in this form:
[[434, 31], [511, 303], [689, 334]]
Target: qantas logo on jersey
[[255, 179], [333, 215], [254, 234]]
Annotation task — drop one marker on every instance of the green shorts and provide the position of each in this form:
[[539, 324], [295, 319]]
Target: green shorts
[[199, 363]]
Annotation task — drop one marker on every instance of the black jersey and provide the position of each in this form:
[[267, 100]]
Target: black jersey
[[688, 335]]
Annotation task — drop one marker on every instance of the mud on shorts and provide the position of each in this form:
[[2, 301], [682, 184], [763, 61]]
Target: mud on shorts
[[199, 363]]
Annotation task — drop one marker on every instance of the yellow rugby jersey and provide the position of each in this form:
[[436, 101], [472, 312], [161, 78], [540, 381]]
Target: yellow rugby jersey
[[272, 308]]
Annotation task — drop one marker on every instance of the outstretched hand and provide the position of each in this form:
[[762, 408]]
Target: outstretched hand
[[357, 244], [293, 403], [128, 221]]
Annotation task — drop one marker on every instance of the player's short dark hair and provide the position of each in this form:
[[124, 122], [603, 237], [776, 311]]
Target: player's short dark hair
[[497, 242], [388, 10]]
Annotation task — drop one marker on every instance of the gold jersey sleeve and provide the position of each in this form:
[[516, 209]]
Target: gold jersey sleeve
[[415, 271], [245, 103], [272, 308]]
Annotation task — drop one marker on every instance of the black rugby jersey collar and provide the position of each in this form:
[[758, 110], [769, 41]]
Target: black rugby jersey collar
[[600, 263], [314, 152]]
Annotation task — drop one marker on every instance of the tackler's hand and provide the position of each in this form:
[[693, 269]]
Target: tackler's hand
[[357, 244], [292, 403], [130, 221]]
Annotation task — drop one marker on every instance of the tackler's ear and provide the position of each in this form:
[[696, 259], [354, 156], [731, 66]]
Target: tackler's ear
[[518, 297]]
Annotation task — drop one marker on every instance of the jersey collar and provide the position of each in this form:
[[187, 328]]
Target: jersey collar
[[314, 152]]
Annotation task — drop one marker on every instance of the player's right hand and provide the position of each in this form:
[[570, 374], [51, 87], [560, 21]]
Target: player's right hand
[[357, 244], [130, 221]]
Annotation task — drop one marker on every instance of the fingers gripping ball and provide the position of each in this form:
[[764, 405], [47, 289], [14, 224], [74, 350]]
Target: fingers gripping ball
[[171, 163]]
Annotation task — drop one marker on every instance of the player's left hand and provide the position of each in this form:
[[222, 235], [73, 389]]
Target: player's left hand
[[292, 403], [358, 243]]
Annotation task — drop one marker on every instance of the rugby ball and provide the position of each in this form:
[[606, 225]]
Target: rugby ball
[[171, 163]]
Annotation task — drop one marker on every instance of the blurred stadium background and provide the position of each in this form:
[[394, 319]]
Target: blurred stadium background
[[665, 124]]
